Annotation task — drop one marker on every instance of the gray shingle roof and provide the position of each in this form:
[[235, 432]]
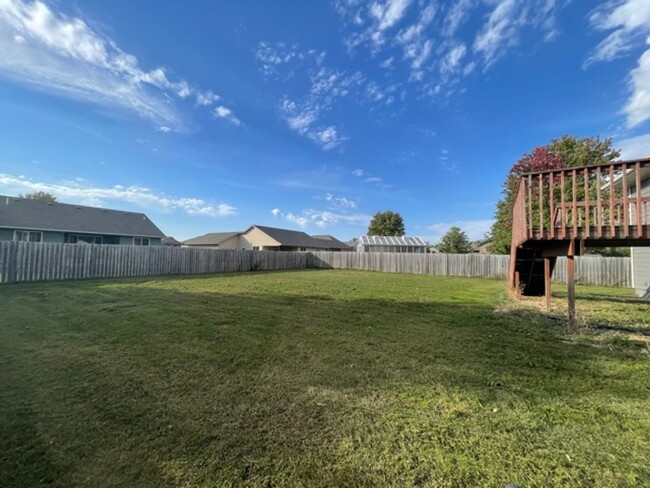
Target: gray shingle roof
[[293, 238], [210, 239], [332, 242], [23, 213], [391, 241]]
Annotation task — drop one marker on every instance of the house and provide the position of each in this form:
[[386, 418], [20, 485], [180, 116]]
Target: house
[[640, 255], [262, 238], [218, 240], [481, 247], [23, 219], [391, 244]]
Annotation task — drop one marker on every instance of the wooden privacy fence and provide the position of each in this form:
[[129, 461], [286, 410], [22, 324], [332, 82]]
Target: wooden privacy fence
[[28, 261], [590, 270]]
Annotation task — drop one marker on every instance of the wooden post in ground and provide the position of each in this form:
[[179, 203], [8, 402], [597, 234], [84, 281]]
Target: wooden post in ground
[[571, 284], [547, 282]]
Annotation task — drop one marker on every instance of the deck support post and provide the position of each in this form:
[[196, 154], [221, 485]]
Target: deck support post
[[547, 282], [571, 284]]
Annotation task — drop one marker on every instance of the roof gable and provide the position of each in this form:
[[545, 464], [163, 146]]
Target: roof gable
[[291, 238], [24, 213]]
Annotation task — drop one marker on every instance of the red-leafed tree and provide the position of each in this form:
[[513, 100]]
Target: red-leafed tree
[[565, 152]]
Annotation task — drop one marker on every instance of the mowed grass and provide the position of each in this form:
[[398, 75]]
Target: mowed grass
[[318, 378]]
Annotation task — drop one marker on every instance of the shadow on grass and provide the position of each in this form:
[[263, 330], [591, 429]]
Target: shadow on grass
[[146, 384]]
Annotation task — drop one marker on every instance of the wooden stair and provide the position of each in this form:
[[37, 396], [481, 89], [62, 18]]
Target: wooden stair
[[529, 266]]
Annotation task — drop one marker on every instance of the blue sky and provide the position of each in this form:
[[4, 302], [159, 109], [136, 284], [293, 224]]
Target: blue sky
[[212, 116]]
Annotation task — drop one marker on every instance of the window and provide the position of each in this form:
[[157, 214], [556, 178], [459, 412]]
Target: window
[[303, 248], [28, 236], [256, 248], [140, 241], [84, 239]]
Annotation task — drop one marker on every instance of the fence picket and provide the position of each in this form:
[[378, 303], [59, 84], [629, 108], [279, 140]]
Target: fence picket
[[28, 261]]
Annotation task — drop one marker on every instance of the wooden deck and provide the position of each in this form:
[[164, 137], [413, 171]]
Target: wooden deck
[[560, 212]]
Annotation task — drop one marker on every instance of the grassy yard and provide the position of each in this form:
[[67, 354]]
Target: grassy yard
[[319, 378]]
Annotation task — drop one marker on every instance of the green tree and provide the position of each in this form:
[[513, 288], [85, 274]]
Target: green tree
[[565, 152], [455, 242], [43, 196], [386, 223]]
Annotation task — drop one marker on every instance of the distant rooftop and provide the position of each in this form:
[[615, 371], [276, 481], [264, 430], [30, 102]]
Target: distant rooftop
[[211, 239], [25, 213]]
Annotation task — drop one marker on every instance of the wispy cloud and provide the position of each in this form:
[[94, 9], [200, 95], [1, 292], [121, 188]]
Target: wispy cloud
[[62, 54], [279, 60], [305, 115], [222, 112], [500, 32], [206, 98], [437, 61], [85, 193], [630, 22], [338, 202], [635, 147], [324, 218]]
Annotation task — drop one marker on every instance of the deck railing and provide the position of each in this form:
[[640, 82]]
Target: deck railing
[[609, 202]]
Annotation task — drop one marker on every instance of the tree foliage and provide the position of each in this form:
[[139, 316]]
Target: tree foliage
[[455, 241], [565, 152], [386, 223], [43, 196]]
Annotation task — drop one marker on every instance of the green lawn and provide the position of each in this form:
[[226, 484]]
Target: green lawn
[[319, 378]]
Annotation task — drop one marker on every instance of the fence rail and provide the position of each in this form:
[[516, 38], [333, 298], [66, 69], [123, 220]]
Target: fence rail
[[26, 261]]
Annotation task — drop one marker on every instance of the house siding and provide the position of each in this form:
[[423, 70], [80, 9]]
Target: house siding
[[231, 243], [641, 255], [641, 271], [256, 237]]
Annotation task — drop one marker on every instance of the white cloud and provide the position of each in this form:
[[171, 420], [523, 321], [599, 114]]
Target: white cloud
[[386, 15], [222, 112], [635, 147], [301, 221], [451, 62], [304, 116], [637, 107], [475, 229], [206, 98], [358, 172], [374, 179], [499, 32], [324, 218], [506, 22], [275, 212], [328, 138], [136, 195], [417, 46], [163, 128], [64, 55], [456, 16], [340, 202], [630, 22]]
